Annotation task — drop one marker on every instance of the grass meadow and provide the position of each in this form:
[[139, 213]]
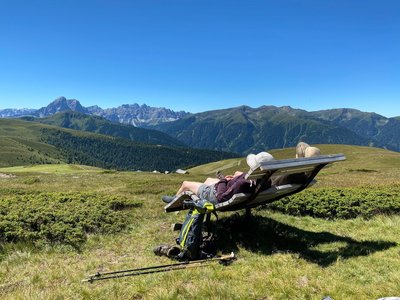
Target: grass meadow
[[279, 256]]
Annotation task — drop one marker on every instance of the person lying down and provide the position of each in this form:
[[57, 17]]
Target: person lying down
[[222, 188]]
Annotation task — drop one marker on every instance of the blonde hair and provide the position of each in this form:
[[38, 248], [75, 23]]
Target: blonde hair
[[305, 150], [312, 151], [301, 148]]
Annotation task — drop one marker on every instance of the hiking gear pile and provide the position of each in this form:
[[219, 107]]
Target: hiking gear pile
[[192, 245]]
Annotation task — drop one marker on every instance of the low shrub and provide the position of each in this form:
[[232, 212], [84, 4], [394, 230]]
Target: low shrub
[[341, 203], [63, 218], [31, 180], [363, 170]]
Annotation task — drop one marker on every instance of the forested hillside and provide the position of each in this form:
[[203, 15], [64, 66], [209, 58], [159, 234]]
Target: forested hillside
[[24, 143], [80, 121], [245, 129], [384, 131], [105, 152]]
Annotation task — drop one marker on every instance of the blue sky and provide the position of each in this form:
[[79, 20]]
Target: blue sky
[[198, 55]]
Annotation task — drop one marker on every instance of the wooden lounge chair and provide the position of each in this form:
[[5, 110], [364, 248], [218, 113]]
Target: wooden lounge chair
[[265, 172]]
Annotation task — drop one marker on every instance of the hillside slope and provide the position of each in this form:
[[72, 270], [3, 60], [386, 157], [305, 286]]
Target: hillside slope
[[80, 121], [384, 131], [245, 129], [24, 142]]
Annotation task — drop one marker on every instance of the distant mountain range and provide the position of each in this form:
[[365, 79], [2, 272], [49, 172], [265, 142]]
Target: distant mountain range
[[240, 129], [131, 114], [245, 129], [15, 113]]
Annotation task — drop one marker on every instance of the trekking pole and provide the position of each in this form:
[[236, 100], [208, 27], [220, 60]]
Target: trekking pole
[[137, 273], [221, 258], [157, 269]]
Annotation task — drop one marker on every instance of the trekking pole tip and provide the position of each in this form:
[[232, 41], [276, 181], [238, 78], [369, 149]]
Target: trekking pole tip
[[97, 274], [90, 280]]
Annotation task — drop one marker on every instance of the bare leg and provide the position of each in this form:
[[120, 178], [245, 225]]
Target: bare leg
[[237, 173], [211, 181], [192, 186]]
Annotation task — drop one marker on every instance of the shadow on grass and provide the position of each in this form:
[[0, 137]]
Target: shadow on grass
[[267, 236]]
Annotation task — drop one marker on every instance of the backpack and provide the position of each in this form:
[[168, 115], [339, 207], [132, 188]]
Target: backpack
[[190, 237]]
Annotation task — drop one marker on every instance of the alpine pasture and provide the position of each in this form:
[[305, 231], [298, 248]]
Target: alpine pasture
[[339, 238]]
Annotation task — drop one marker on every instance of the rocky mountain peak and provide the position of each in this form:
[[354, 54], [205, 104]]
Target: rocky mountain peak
[[59, 105]]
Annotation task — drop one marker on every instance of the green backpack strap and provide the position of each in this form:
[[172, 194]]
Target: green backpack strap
[[209, 207], [202, 206]]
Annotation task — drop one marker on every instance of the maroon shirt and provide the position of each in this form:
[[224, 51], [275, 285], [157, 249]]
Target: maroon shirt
[[227, 188]]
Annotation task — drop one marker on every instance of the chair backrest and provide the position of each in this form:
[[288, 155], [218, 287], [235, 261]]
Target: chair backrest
[[268, 170], [296, 165]]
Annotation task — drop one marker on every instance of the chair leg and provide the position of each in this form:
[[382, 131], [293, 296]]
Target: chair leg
[[208, 224], [248, 212]]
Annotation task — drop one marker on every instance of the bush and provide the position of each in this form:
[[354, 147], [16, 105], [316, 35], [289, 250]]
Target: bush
[[31, 180], [63, 218], [341, 203]]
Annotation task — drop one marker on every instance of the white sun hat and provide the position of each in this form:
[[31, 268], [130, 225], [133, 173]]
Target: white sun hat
[[255, 160]]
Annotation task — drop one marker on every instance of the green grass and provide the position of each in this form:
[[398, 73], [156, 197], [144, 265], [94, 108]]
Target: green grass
[[16, 151], [51, 169], [279, 256]]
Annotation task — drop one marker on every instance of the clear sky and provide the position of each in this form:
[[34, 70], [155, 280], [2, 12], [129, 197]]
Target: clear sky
[[198, 55]]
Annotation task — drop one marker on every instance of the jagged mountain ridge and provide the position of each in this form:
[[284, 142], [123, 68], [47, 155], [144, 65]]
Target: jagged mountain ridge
[[137, 115], [131, 114], [16, 113]]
